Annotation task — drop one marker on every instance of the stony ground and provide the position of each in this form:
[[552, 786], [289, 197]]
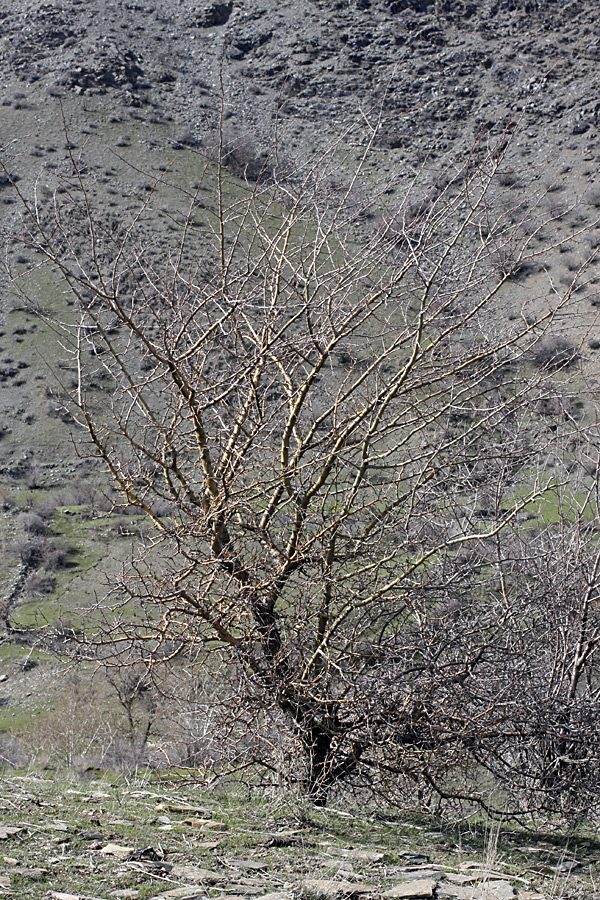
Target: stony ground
[[100, 838]]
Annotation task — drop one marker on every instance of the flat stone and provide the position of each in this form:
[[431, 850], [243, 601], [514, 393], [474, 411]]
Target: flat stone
[[494, 890], [281, 838], [249, 864], [205, 823], [325, 887], [491, 890], [530, 895], [181, 894], [91, 836], [116, 850], [420, 887], [277, 895], [483, 876], [454, 892], [182, 808], [474, 869], [362, 855], [420, 872], [32, 873], [7, 831], [463, 891], [413, 857], [338, 866], [195, 875], [56, 895], [566, 866], [222, 897], [250, 890]]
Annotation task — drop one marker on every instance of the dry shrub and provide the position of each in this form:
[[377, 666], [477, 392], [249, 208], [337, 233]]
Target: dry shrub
[[32, 523], [12, 753], [243, 158], [555, 352], [40, 584], [74, 731]]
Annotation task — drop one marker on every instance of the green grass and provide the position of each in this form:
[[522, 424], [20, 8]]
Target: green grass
[[12, 652]]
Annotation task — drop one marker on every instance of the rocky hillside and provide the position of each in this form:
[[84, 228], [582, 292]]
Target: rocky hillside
[[441, 71]]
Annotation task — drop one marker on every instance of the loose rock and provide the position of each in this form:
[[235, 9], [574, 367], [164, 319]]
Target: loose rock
[[117, 850], [322, 887], [421, 887]]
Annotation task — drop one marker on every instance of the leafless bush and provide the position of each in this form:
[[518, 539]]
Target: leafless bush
[[555, 352], [124, 756], [506, 259], [12, 753], [185, 137], [84, 492], [39, 584], [31, 551], [38, 551], [32, 523], [403, 224], [357, 479], [242, 157], [56, 556], [75, 731], [508, 178]]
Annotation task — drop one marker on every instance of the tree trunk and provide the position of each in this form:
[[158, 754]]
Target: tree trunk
[[326, 763]]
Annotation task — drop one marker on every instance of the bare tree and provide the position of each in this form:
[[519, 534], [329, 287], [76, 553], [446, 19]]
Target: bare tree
[[341, 440], [134, 692]]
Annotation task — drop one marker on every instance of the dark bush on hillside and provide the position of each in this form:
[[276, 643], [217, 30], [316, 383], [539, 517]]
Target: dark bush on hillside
[[508, 179], [56, 556], [593, 198], [40, 584], [32, 523], [243, 158], [31, 552], [37, 551], [555, 353], [185, 137]]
